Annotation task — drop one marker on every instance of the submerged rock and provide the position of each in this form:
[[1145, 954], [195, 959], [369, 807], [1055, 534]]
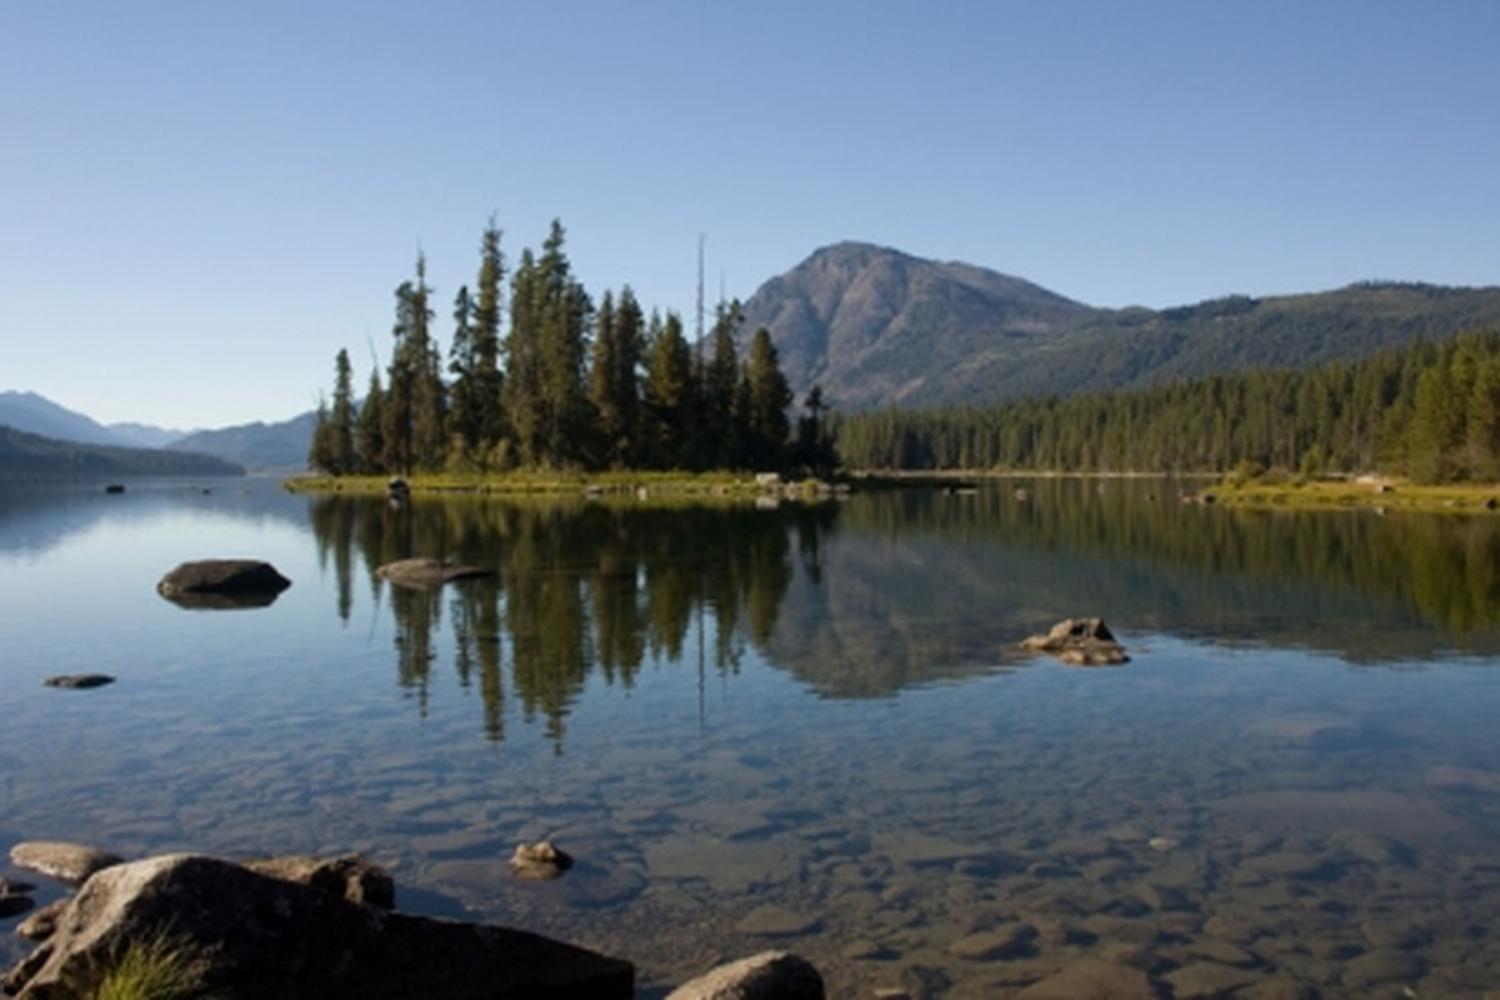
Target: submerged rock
[[541, 861], [255, 936], [771, 975], [81, 682], [1080, 642], [57, 859], [223, 583], [429, 572]]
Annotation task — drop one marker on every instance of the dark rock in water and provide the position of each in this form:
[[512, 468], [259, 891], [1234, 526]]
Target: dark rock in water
[[256, 937], [60, 860], [1084, 642], [79, 681], [771, 975], [429, 572], [397, 489], [41, 924], [217, 583], [14, 905], [115, 488], [349, 877], [1492, 504], [541, 861]]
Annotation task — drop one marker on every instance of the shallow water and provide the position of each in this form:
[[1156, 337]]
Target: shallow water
[[803, 727]]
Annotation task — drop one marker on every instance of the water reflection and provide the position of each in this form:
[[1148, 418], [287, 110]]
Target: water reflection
[[893, 589], [579, 589]]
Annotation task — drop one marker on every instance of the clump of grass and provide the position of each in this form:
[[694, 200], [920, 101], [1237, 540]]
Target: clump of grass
[[160, 966]]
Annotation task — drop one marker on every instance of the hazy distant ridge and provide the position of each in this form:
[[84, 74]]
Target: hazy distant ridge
[[24, 455]]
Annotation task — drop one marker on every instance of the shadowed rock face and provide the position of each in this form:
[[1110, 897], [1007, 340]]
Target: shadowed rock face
[[263, 937], [223, 583]]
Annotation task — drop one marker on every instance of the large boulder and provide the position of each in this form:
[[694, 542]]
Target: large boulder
[[63, 861], [255, 936], [429, 572], [223, 583], [771, 975], [1082, 642]]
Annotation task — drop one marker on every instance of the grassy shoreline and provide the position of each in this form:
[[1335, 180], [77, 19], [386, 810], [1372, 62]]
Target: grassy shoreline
[[559, 483], [1395, 494]]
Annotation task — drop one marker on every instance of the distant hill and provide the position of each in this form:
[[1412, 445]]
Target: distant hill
[[24, 455], [145, 435], [274, 447], [37, 414], [874, 327]]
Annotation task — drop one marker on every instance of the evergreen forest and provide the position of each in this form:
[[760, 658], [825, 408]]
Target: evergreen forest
[[540, 375], [1430, 411]]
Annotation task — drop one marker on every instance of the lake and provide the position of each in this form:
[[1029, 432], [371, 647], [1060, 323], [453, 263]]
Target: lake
[[802, 726]]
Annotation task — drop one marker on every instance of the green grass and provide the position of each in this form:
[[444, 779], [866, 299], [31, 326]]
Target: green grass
[[1344, 494], [159, 967]]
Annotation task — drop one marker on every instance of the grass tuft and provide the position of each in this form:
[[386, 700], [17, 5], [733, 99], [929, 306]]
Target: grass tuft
[[159, 967]]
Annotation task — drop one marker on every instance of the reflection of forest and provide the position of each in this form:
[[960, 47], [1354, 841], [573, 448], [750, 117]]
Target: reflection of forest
[[914, 586], [580, 587]]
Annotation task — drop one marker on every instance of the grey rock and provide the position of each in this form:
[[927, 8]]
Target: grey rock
[[262, 937], [71, 863], [78, 681], [771, 975], [1079, 642], [349, 876], [426, 573], [215, 584], [40, 925]]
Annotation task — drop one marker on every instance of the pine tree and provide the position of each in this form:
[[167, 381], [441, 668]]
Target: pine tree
[[341, 418], [465, 415], [610, 433], [562, 334], [522, 389], [769, 398], [320, 452], [488, 379], [369, 431], [668, 394], [720, 379]]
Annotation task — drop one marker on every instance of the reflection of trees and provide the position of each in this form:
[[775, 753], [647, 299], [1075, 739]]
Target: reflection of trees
[[580, 589]]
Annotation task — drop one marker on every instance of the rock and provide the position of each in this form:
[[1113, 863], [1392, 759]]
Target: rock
[[1208, 979], [212, 584], [1385, 966], [774, 921], [40, 925], [540, 861], [398, 489], [261, 937], [1161, 844], [349, 876], [79, 682], [1080, 642], [1006, 941], [424, 573], [1092, 979], [13, 905], [867, 951], [771, 975], [65, 862]]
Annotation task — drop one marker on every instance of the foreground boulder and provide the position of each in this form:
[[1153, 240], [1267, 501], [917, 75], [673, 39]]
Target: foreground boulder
[[254, 936], [71, 863], [223, 583], [771, 975], [429, 572], [1083, 642]]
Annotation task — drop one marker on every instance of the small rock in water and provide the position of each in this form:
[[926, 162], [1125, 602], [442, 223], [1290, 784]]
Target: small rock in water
[[771, 975], [541, 861], [1162, 843], [63, 861], [424, 573], [1082, 642], [80, 682], [774, 921]]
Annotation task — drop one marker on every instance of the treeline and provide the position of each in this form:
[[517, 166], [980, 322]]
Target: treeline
[[565, 383], [1429, 411]]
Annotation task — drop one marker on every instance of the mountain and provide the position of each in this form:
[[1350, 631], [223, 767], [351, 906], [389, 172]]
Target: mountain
[[145, 435], [27, 411], [274, 447], [25, 455], [875, 327]]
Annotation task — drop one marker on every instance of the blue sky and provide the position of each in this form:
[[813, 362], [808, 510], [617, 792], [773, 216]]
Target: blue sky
[[202, 202]]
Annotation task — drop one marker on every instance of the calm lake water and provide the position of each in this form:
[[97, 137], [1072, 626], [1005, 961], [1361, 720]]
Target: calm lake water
[[804, 727]]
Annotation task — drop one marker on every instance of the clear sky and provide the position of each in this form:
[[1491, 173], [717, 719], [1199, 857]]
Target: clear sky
[[201, 202]]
